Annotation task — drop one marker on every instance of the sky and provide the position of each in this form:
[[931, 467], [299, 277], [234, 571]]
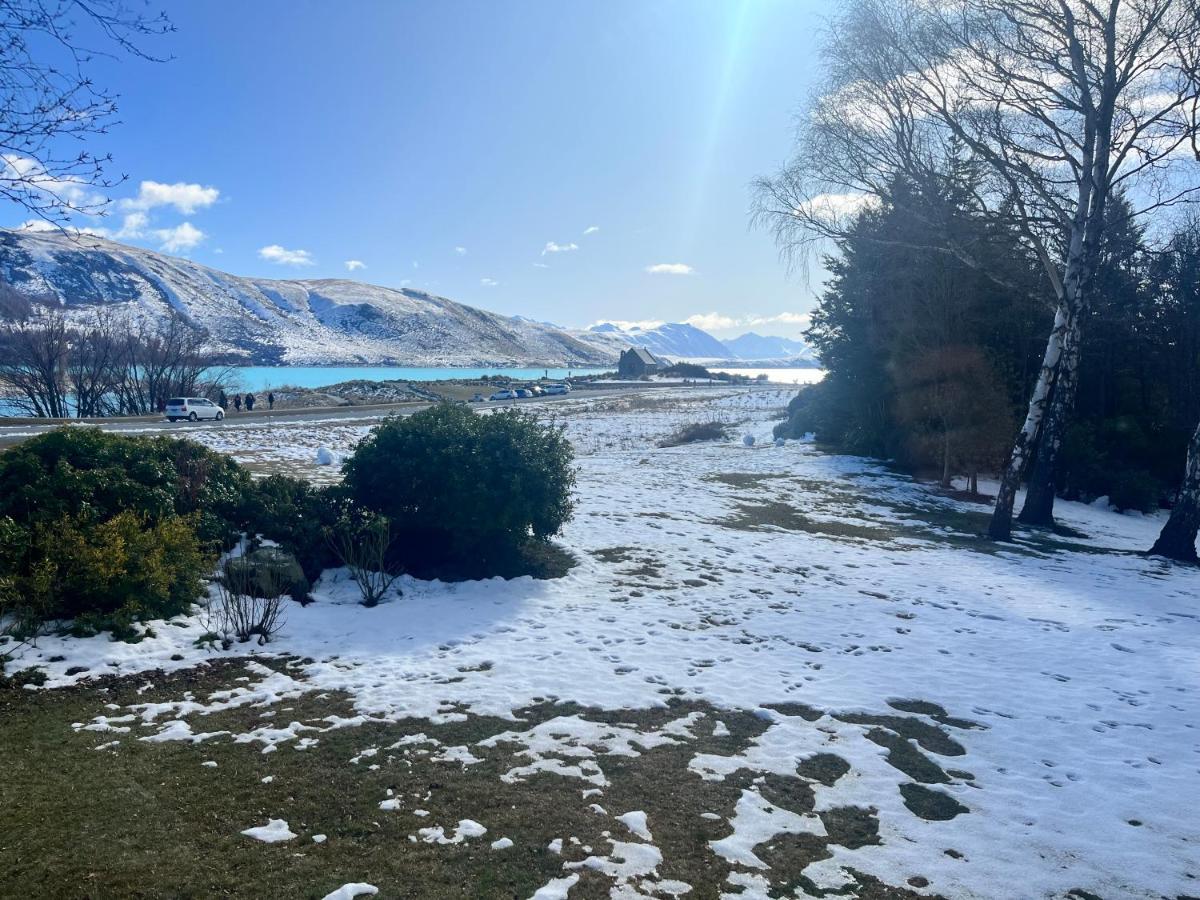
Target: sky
[[569, 162]]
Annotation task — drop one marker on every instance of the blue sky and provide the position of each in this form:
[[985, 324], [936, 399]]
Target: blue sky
[[527, 157]]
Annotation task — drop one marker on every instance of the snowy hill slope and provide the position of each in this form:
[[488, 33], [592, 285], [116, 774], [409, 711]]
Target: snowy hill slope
[[270, 321], [673, 339], [757, 346]]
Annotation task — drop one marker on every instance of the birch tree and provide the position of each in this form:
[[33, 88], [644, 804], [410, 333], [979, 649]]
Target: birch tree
[[1177, 540], [1059, 103]]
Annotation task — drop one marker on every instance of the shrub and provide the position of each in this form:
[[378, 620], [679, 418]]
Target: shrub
[[263, 571], [462, 490], [694, 433], [363, 544], [250, 600], [90, 475], [107, 529], [109, 574], [297, 516]]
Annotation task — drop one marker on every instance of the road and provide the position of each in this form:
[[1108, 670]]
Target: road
[[13, 431]]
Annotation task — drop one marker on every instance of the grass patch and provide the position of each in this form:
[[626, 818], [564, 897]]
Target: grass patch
[[775, 514], [695, 433], [149, 820]]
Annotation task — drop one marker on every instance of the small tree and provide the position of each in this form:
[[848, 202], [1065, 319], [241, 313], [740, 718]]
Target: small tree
[[250, 602], [363, 543]]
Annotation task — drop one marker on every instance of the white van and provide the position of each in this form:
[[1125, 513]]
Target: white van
[[558, 389], [193, 409]]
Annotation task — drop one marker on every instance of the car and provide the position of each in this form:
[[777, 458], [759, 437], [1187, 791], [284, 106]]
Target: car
[[523, 392], [552, 389], [535, 390], [503, 395], [193, 409]]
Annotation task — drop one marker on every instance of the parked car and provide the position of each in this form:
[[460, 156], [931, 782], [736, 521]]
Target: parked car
[[558, 389], [535, 390], [503, 395], [523, 392], [193, 409]]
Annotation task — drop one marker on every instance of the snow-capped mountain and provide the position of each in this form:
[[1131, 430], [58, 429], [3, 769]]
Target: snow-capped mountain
[[757, 346], [674, 339], [279, 321], [681, 341]]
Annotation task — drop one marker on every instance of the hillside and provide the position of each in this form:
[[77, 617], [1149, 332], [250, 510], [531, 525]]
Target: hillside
[[266, 321]]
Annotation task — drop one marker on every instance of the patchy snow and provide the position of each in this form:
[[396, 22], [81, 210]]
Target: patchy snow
[[466, 828], [757, 576], [274, 831], [352, 890], [636, 822], [502, 844], [555, 888]]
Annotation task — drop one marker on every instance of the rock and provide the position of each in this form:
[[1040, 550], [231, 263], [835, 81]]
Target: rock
[[324, 457], [748, 440]]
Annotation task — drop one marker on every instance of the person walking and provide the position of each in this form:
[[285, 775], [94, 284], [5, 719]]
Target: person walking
[[237, 402], [222, 400], [249, 403], [271, 400]]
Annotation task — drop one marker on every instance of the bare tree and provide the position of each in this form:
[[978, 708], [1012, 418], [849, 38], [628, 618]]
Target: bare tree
[[363, 549], [1060, 103], [250, 602], [33, 364], [94, 368], [48, 99]]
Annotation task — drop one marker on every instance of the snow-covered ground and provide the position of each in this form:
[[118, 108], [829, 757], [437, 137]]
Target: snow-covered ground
[[817, 590]]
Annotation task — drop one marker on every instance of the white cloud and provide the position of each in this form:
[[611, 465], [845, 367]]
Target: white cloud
[[834, 207], [670, 269], [552, 247], [488, 282], [187, 198], [133, 225], [181, 237], [712, 321], [36, 225], [591, 229], [461, 251], [541, 266], [72, 191], [715, 321], [276, 254], [352, 264]]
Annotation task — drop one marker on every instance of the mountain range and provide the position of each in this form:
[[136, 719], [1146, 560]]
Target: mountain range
[[321, 321]]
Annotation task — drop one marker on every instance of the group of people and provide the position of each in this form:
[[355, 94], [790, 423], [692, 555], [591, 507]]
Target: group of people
[[249, 401]]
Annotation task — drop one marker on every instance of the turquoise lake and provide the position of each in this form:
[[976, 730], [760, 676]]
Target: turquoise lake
[[261, 378]]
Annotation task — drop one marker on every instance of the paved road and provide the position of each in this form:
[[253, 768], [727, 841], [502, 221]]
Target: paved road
[[13, 431]]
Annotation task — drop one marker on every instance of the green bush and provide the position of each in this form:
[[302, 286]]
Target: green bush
[[463, 491], [90, 475], [108, 574], [297, 516], [106, 529], [265, 573]]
